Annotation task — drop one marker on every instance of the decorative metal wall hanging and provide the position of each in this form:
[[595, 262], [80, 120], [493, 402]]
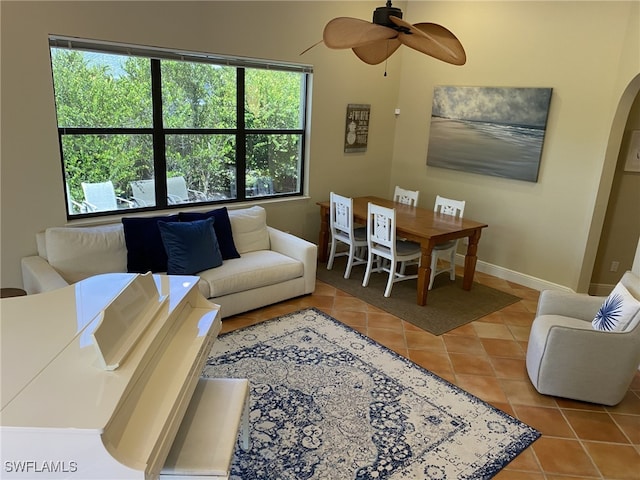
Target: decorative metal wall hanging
[[357, 128]]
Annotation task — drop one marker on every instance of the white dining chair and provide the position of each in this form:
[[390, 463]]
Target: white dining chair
[[343, 231], [455, 208], [407, 197], [384, 245]]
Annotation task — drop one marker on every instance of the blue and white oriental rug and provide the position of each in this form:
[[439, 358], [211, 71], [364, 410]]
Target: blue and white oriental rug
[[329, 403]]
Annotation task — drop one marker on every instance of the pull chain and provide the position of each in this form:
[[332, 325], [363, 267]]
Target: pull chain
[[386, 59]]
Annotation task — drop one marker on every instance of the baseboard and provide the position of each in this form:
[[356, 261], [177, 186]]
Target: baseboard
[[600, 289], [513, 276]]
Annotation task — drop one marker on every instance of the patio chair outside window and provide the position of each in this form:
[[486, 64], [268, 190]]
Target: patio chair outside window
[[178, 192], [73, 206], [144, 192], [101, 197], [263, 186]]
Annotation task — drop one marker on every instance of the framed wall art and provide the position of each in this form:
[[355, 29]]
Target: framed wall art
[[357, 128], [496, 131]]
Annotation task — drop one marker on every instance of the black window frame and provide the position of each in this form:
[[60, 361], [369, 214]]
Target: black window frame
[[158, 132]]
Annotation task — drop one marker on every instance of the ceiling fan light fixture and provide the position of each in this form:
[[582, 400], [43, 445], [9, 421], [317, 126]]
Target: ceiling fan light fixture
[[373, 42], [381, 15]]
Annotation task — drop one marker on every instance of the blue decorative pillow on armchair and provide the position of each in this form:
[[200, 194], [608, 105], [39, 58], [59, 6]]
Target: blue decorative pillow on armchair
[[617, 311], [191, 246]]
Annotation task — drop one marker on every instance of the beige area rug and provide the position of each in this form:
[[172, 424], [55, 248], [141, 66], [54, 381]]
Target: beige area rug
[[448, 305], [328, 403]]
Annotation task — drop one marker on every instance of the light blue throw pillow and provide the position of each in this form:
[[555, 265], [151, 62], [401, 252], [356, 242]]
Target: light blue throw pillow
[[617, 311], [191, 246]]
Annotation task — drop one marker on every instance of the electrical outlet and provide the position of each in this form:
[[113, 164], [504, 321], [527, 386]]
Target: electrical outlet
[[614, 266]]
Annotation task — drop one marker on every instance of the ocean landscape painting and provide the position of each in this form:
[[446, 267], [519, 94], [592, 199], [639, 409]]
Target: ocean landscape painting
[[496, 131]]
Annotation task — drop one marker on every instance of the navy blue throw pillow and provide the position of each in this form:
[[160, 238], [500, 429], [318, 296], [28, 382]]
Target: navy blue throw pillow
[[145, 250], [222, 227], [191, 246]]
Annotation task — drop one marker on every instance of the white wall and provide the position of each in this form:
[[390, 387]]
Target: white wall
[[32, 189], [587, 52]]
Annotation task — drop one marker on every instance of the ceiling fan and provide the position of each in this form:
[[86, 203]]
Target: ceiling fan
[[374, 42]]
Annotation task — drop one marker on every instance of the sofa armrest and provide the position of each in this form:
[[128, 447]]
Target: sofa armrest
[[568, 304], [300, 249], [38, 276]]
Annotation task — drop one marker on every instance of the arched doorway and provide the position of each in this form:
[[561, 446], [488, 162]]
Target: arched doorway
[[603, 197]]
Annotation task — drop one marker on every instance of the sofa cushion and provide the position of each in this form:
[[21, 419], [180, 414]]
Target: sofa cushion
[[255, 269], [617, 311], [250, 231], [41, 244], [145, 250], [78, 253], [222, 227], [191, 246]]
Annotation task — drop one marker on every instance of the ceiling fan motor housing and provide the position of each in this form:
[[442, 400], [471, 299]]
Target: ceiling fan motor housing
[[381, 15]]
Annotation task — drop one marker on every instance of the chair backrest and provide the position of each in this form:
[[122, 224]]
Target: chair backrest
[[447, 206], [144, 192], [100, 196], [381, 227], [263, 186], [177, 190], [72, 205], [408, 197], [145, 195], [631, 282], [341, 215]]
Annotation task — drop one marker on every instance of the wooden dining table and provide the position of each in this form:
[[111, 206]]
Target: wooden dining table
[[417, 224]]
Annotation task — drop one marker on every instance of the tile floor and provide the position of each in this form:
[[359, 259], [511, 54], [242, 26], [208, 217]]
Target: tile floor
[[579, 441]]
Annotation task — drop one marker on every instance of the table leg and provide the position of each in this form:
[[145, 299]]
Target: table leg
[[323, 240], [424, 273], [470, 260]]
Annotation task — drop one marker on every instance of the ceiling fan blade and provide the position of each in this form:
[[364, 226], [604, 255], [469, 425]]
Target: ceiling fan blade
[[348, 32], [452, 50], [377, 52], [433, 40]]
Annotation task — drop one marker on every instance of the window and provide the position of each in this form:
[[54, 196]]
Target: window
[[150, 129]]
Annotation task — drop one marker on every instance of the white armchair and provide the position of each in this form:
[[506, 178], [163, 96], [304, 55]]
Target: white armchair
[[567, 357]]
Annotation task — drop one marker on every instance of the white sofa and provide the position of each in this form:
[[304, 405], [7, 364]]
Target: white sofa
[[273, 265]]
